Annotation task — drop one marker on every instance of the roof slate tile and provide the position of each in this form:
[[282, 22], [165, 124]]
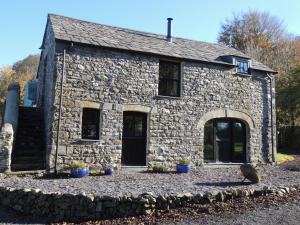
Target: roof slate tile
[[67, 29]]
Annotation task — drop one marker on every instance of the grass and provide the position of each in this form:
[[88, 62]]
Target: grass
[[281, 158]]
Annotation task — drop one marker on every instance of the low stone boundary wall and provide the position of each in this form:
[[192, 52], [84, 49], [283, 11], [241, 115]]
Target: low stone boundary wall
[[69, 207]]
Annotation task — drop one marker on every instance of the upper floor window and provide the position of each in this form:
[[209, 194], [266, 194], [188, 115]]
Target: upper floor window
[[90, 123], [169, 78], [242, 66]]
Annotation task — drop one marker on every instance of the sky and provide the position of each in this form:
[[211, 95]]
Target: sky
[[22, 22]]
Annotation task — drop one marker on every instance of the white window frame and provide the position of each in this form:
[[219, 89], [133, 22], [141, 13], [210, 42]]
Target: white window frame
[[236, 60]]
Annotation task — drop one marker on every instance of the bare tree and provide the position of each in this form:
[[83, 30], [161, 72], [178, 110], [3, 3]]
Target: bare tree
[[261, 36]]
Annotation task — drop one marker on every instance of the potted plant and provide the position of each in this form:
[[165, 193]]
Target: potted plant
[[184, 166], [108, 171], [158, 168], [79, 169]]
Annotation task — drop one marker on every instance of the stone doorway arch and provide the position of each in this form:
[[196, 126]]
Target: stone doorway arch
[[227, 114]]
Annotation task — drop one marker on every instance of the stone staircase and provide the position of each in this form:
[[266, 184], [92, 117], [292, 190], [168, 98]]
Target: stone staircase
[[29, 152]]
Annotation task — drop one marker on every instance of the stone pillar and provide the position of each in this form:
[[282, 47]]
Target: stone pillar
[[11, 112], [10, 124]]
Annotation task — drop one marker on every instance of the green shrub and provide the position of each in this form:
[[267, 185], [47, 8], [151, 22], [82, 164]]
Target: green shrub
[[78, 165], [158, 168], [185, 162]]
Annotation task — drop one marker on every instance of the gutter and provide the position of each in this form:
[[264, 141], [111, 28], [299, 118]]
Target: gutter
[[271, 111], [60, 104]]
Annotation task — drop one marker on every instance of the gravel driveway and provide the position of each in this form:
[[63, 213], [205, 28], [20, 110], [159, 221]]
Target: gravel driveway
[[135, 183], [288, 214]]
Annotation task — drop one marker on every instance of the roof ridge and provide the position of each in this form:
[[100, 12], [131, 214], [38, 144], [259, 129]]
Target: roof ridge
[[83, 31], [143, 32]]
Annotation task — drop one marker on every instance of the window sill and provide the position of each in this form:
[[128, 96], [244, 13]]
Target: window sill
[[243, 74], [221, 164], [167, 97], [89, 140]]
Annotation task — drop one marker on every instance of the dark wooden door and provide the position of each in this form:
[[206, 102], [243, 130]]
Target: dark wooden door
[[134, 139]]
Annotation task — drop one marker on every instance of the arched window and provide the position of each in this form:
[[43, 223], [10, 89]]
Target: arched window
[[225, 141]]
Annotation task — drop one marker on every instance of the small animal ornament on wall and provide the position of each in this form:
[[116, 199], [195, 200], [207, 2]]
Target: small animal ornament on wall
[[250, 173]]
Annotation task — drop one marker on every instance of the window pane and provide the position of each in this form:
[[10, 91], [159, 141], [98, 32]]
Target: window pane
[[168, 88], [138, 126], [222, 131], [169, 70], [242, 66], [238, 142], [163, 87], [128, 126], [169, 79], [209, 154], [90, 123]]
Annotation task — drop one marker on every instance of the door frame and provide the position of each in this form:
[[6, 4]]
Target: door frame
[[216, 149], [147, 120]]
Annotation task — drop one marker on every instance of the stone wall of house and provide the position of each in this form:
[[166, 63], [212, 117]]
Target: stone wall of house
[[46, 84], [112, 81]]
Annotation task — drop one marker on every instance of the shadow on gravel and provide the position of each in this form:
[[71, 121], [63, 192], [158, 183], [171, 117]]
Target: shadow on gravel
[[53, 176], [291, 165], [224, 184]]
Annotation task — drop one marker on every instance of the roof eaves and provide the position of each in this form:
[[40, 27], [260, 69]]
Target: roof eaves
[[78, 42]]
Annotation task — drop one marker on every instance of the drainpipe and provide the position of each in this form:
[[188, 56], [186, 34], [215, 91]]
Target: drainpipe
[[271, 111], [60, 104]]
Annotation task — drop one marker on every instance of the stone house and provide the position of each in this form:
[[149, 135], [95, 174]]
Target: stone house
[[121, 97]]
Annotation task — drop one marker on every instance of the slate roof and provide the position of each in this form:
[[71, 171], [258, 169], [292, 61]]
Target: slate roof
[[79, 31]]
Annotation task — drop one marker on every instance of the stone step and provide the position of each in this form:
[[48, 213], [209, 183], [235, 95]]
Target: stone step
[[27, 166], [30, 122], [30, 145], [29, 151], [27, 159], [30, 128], [18, 154], [28, 138]]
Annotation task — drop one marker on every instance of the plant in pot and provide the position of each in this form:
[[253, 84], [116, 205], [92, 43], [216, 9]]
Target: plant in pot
[[79, 169], [184, 166], [108, 170], [158, 168]]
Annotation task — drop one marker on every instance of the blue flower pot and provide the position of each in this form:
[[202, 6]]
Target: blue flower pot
[[183, 168], [108, 171], [77, 173]]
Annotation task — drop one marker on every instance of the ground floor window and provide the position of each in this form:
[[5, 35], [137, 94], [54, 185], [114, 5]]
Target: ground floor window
[[90, 123], [225, 140]]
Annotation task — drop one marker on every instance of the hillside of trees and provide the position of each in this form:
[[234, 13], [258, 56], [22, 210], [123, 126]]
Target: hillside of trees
[[21, 72]]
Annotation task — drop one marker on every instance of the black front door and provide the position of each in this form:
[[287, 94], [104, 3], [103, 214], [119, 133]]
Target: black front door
[[134, 139]]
